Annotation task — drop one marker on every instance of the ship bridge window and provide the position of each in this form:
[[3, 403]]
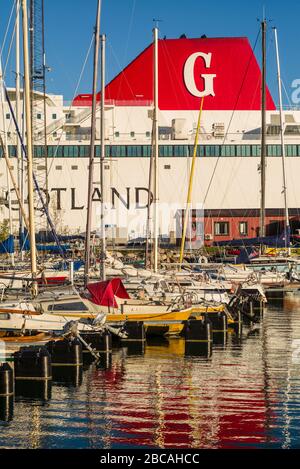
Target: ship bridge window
[[273, 129], [292, 130]]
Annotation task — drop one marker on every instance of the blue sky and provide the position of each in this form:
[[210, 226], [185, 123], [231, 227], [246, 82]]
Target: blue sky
[[128, 25]]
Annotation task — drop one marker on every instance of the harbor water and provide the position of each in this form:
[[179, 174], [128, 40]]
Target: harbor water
[[245, 394]]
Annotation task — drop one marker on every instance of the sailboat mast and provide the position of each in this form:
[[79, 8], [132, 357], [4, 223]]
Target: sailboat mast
[[92, 149], [283, 153], [102, 160], [2, 99], [29, 146], [18, 118], [155, 148], [263, 133]]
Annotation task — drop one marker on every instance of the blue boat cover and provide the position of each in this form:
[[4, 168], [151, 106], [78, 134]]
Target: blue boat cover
[[7, 246], [272, 241]]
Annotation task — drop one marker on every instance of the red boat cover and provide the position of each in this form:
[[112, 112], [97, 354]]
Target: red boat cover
[[105, 293]]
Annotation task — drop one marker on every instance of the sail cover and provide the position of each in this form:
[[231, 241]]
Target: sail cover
[[7, 246], [105, 293]]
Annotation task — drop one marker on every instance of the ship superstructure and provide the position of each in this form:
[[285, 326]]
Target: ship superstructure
[[227, 178]]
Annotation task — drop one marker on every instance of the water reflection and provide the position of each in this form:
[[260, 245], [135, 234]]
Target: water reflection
[[243, 393]]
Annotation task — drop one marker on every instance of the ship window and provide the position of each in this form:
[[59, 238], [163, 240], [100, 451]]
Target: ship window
[[84, 151], [147, 150], [200, 150], [256, 150], [243, 228], [59, 151], [12, 151], [228, 150], [69, 151], [212, 150], [50, 151], [291, 150], [54, 116], [39, 116], [148, 134], [221, 228], [165, 150], [118, 150], [38, 151], [117, 134], [292, 130], [134, 150], [273, 150], [243, 150], [132, 134], [180, 150], [7, 116], [273, 129]]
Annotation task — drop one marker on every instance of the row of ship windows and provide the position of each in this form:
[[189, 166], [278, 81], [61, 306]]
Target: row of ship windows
[[74, 151]]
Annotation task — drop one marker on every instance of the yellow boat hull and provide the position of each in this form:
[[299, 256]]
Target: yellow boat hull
[[166, 323]]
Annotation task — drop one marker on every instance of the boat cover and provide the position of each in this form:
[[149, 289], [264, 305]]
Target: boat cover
[[7, 246], [105, 293]]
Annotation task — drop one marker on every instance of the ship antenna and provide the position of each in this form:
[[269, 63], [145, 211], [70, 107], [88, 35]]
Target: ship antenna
[[156, 21]]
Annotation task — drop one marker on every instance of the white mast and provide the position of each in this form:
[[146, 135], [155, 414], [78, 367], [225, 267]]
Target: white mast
[[92, 148], [102, 173], [283, 153], [29, 146], [18, 119], [3, 101], [155, 147]]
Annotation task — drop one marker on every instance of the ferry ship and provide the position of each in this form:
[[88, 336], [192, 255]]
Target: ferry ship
[[226, 189]]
